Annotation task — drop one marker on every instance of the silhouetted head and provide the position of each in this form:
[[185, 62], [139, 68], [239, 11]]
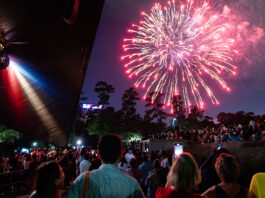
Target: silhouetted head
[[110, 148], [227, 168], [49, 176]]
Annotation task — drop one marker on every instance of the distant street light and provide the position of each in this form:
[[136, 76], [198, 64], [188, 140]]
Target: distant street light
[[78, 142], [174, 122], [34, 144]]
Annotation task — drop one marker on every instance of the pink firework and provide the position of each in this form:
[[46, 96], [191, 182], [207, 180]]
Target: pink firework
[[175, 49]]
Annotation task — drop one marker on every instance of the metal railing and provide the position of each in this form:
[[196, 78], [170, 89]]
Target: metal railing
[[10, 180]]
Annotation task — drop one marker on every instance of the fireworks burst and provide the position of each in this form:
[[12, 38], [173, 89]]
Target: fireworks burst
[[175, 50]]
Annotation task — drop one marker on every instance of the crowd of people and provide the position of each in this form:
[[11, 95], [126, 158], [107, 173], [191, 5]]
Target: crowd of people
[[232, 133], [114, 171]]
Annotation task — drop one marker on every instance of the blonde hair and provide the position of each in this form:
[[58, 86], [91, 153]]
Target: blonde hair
[[184, 173]]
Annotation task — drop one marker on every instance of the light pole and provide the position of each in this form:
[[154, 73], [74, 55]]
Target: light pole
[[34, 144], [174, 125]]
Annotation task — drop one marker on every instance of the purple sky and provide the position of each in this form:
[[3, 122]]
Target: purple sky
[[248, 87]]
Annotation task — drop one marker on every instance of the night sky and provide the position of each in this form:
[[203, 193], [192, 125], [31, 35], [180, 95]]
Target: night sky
[[247, 88]]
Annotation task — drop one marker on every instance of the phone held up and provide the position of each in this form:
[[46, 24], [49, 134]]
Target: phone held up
[[178, 149]]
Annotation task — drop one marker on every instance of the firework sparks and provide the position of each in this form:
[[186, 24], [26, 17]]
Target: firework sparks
[[175, 50]]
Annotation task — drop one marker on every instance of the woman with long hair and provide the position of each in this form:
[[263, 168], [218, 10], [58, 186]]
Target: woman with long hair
[[182, 178], [49, 177]]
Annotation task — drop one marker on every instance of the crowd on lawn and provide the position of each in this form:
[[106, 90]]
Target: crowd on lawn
[[113, 171], [232, 133]]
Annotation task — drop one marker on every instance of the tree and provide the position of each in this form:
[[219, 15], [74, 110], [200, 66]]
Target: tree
[[179, 111], [103, 89], [129, 99], [207, 122], [155, 116], [106, 121], [130, 118], [8, 136], [194, 117]]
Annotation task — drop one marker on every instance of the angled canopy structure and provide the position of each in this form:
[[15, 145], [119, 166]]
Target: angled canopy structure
[[49, 44]]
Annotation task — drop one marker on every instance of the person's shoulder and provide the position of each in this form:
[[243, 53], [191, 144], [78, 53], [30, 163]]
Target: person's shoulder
[[141, 165], [259, 175], [210, 192], [163, 192], [34, 195], [128, 178], [80, 178]]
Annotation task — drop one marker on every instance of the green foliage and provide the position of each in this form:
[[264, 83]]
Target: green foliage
[[239, 117], [189, 120], [194, 118], [130, 120], [154, 114], [130, 136], [129, 101], [105, 122], [8, 136], [103, 89]]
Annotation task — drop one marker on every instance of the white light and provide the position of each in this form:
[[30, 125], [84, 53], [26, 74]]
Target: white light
[[78, 142], [34, 143], [24, 150]]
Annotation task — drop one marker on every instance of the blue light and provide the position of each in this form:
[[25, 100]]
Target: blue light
[[25, 150], [87, 106], [91, 106]]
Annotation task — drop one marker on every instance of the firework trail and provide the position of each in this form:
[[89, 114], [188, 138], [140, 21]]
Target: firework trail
[[177, 49]]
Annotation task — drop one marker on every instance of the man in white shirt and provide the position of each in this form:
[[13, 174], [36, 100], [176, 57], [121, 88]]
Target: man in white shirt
[[128, 156], [85, 164]]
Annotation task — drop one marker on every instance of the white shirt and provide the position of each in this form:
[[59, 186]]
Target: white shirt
[[124, 167], [84, 166], [128, 157]]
